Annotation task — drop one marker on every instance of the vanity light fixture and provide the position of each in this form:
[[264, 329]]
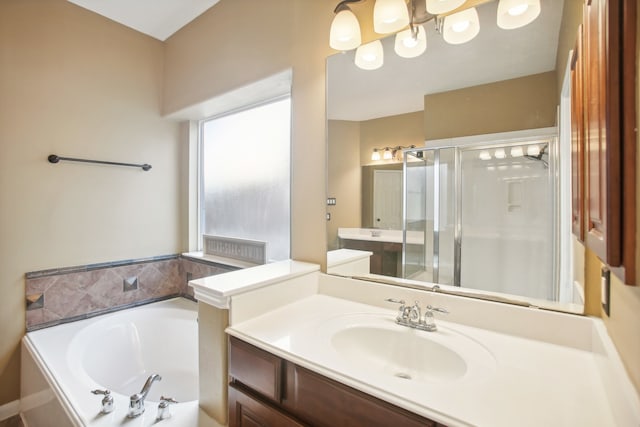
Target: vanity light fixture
[[390, 16], [375, 156], [387, 154], [517, 13], [345, 29], [461, 27], [500, 154], [485, 155], [412, 42], [456, 20], [533, 150], [370, 56], [437, 7]]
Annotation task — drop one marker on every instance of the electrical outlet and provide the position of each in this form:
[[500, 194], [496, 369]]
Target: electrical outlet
[[605, 289]]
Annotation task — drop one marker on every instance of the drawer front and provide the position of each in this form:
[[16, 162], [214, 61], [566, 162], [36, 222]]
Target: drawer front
[[322, 402], [247, 411], [255, 368]]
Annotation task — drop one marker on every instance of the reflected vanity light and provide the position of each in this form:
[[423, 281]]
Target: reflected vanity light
[[533, 150], [517, 152], [456, 20], [500, 153], [485, 155], [389, 153]]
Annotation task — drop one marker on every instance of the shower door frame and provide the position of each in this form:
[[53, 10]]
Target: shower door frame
[[479, 142]]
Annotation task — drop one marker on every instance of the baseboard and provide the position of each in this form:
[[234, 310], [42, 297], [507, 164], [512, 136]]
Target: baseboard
[[9, 410]]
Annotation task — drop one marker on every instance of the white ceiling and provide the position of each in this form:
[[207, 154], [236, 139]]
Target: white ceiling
[[400, 85], [156, 18]]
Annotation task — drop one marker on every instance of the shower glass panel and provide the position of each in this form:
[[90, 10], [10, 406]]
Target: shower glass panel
[[506, 220], [481, 217], [418, 215]]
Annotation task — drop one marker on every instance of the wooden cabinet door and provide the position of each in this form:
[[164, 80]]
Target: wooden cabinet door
[[322, 402], [247, 411]]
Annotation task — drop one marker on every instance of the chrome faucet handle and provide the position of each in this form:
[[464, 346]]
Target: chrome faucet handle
[[429, 323], [438, 309], [414, 313], [163, 408], [402, 311], [107, 400]]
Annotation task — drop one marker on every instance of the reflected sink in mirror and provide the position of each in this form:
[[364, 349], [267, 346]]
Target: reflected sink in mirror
[[377, 345]]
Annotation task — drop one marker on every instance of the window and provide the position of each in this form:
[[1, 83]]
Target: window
[[245, 176]]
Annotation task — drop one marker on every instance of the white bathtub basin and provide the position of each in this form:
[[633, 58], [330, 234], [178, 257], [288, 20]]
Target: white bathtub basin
[[120, 355]]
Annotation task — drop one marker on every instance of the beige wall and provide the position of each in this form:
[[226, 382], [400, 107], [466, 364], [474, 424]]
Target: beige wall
[[571, 19], [523, 103], [75, 84], [402, 129], [241, 41], [343, 177]]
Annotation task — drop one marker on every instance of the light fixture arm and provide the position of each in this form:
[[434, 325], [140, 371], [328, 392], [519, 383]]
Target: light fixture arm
[[345, 4]]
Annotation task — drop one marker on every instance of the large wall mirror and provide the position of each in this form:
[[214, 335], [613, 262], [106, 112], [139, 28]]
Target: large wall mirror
[[451, 168]]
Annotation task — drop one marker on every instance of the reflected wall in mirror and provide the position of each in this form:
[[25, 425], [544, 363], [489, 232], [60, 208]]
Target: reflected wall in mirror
[[483, 104]]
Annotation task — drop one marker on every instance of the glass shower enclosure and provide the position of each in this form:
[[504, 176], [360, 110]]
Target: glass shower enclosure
[[480, 216]]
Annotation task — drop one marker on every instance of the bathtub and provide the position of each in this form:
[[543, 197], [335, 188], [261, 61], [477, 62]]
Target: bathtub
[[118, 351]]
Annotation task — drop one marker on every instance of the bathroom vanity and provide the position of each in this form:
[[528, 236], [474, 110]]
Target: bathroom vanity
[[312, 349], [267, 390]]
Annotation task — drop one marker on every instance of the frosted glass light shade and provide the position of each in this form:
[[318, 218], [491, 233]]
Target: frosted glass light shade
[[500, 154], [375, 155], [370, 56], [387, 155], [485, 155], [517, 152], [390, 16], [409, 47], [438, 7], [345, 31], [517, 13], [533, 150], [461, 27]]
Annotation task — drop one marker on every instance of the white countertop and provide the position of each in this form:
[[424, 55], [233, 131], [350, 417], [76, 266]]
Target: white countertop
[[528, 382], [216, 290], [380, 235], [342, 256]]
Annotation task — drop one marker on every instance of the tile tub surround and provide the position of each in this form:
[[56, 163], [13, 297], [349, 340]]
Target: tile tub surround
[[59, 295]]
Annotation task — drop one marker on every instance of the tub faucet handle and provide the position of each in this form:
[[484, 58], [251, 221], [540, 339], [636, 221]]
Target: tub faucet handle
[[107, 400], [163, 408], [136, 401]]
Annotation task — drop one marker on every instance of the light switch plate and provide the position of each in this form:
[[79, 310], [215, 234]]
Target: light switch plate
[[605, 289]]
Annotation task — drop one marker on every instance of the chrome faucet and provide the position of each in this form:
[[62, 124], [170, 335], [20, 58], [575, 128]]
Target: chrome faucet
[[411, 317], [107, 401], [136, 401]]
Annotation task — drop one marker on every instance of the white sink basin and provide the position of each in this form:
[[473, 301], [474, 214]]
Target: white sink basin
[[377, 345], [403, 354]]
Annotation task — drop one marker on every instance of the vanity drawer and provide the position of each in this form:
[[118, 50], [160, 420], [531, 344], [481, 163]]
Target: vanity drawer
[[255, 368]]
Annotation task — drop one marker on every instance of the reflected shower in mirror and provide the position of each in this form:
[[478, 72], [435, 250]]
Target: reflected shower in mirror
[[478, 204]]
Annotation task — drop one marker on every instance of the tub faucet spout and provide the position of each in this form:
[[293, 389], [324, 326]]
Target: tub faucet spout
[[136, 402]]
